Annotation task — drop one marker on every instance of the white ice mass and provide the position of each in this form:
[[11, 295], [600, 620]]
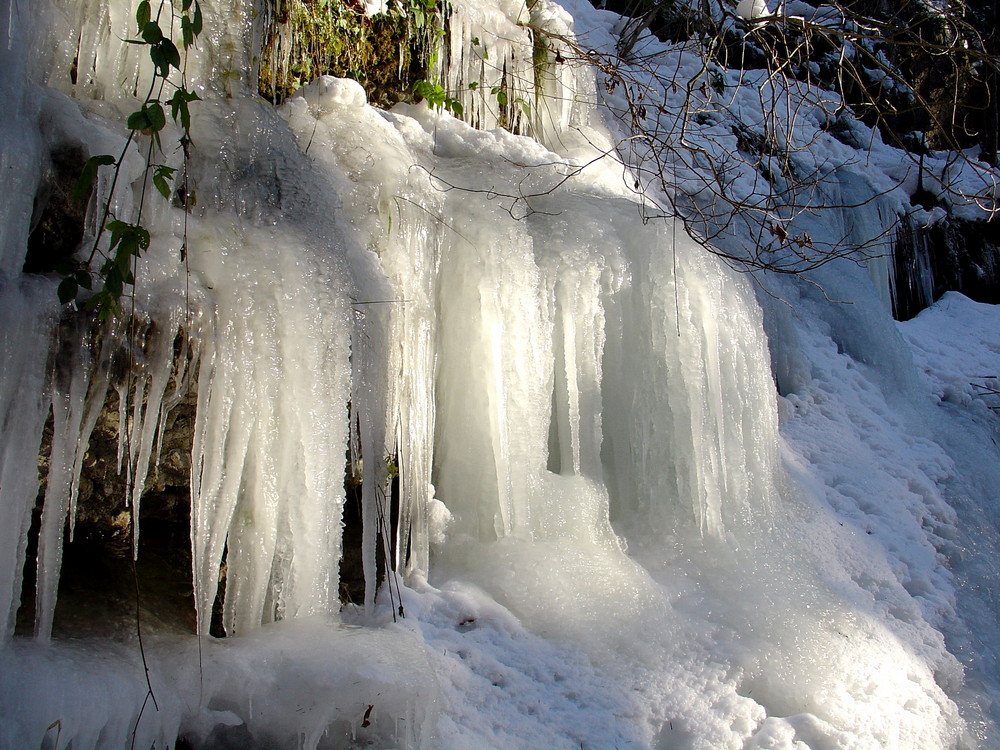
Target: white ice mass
[[647, 501]]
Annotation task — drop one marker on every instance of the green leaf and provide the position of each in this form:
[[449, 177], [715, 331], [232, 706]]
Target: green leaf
[[179, 107], [170, 54], [196, 22], [155, 115], [151, 33], [185, 5], [116, 226], [88, 174], [115, 285], [161, 174], [432, 93], [160, 183], [113, 282], [138, 120], [83, 279], [142, 14], [143, 237], [159, 62], [67, 290], [187, 32], [108, 309]]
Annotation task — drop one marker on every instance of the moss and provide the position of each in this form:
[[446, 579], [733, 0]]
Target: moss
[[384, 53]]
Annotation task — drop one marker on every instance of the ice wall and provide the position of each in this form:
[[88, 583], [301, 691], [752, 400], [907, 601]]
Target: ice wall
[[581, 404]]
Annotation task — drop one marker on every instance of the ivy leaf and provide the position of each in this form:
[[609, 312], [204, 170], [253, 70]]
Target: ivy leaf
[[161, 174], [179, 107], [143, 237], [67, 290], [138, 120], [116, 226], [107, 308], [83, 279], [114, 283], [185, 5], [160, 183], [170, 54], [196, 22], [151, 33], [142, 14], [187, 32], [88, 174], [155, 115], [161, 65]]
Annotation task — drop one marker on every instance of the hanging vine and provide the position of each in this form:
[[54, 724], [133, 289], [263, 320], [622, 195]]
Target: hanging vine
[[102, 277]]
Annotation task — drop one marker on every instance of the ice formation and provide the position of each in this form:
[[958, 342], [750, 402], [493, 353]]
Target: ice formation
[[604, 538]]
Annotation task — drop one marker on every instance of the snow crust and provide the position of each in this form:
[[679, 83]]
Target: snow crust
[[646, 501]]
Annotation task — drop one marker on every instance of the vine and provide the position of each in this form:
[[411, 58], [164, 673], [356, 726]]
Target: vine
[[128, 240]]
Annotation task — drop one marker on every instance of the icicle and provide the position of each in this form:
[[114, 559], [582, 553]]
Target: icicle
[[494, 373], [150, 387], [96, 397], [24, 404], [492, 49], [368, 397], [700, 432], [579, 344], [218, 456], [70, 386], [270, 432]]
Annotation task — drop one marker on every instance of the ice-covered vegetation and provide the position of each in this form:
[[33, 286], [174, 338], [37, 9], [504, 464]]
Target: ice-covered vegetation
[[644, 500]]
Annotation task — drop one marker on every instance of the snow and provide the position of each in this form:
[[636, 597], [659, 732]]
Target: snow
[[646, 501]]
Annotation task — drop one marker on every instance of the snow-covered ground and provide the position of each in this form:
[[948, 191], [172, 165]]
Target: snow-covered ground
[[650, 502]]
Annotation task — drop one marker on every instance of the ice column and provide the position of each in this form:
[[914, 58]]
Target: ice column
[[271, 430]]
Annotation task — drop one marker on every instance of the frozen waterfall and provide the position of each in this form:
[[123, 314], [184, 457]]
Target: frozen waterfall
[[601, 539]]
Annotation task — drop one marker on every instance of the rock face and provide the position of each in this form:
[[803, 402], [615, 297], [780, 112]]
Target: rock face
[[951, 255], [58, 220], [386, 52], [100, 588]]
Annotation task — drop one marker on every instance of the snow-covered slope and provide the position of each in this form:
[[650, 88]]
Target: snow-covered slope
[[646, 501]]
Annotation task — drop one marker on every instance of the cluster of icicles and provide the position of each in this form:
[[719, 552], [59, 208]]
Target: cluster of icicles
[[537, 371]]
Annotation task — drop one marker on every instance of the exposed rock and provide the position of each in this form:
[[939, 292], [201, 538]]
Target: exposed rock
[[58, 220], [386, 53], [955, 255], [98, 585]]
